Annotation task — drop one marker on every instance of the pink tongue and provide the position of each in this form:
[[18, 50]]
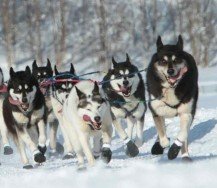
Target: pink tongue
[[86, 118], [179, 75]]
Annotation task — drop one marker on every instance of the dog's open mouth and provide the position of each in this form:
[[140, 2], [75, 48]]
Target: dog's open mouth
[[173, 80], [24, 106], [126, 91], [93, 125]]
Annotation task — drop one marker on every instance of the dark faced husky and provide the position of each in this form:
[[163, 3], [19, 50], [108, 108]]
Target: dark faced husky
[[3, 129], [172, 78], [23, 112], [64, 81], [42, 73], [125, 92], [86, 114]]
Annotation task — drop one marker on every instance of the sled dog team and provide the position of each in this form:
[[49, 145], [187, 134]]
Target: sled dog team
[[35, 103]]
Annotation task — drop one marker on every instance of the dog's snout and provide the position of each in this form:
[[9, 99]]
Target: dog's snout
[[170, 71], [97, 118], [24, 100], [125, 82]]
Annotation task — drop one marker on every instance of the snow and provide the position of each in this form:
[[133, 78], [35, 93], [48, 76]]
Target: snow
[[144, 170]]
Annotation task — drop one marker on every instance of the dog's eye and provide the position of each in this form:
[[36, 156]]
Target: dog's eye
[[162, 62], [89, 109], [98, 107]]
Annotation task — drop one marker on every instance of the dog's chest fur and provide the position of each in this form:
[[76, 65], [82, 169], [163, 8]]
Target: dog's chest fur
[[166, 105], [132, 107], [23, 119]]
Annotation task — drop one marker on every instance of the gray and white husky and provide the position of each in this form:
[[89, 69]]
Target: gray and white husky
[[86, 114], [172, 83], [125, 91], [3, 129], [24, 115]]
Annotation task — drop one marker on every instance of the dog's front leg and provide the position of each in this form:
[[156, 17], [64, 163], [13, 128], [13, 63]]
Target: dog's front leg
[[53, 134], [132, 150], [84, 139], [24, 135], [139, 132], [106, 147], [42, 136], [163, 142], [24, 158], [97, 144], [185, 122], [4, 133], [130, 125]]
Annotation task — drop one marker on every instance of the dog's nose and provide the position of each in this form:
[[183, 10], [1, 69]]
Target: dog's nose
[[24, 100], [170, 71], [125, 82], [97, 118], [67, 95]]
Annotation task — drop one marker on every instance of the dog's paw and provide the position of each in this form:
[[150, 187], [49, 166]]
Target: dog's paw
[[8, 150], [59, 148], [157, 149], [187, 159], [69, 156], [173, 151], [28, 166], [42, 149], [106, 155], [132, 150], [39, 158]]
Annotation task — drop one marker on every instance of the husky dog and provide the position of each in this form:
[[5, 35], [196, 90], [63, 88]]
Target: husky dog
[[172, 78], [24, 115], [86, 114], [42, 73], [3, 129], [125, 91], [64, 81]]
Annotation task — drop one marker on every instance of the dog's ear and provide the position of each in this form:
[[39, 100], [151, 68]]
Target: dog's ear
[[95, 89], [56, 71], [179, 44], [28, 71], [72, 70], [12, 73], [159, 43], [80, 94], [48, 63], [114, 62], [34, 65], [128, 58]]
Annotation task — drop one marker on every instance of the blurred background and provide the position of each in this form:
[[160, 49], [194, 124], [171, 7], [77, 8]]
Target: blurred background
[[88, 33]]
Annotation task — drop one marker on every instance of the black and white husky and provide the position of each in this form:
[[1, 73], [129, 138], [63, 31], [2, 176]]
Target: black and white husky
[[172, 78], [63, 83], [42, 73], [125, 91], [86, 114], [24, 115], [3, 129]]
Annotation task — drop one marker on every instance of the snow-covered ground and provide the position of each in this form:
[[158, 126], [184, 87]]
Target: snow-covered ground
[[142, 171]]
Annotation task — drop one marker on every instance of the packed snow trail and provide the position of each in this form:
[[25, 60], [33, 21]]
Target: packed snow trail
[[142, 171]]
